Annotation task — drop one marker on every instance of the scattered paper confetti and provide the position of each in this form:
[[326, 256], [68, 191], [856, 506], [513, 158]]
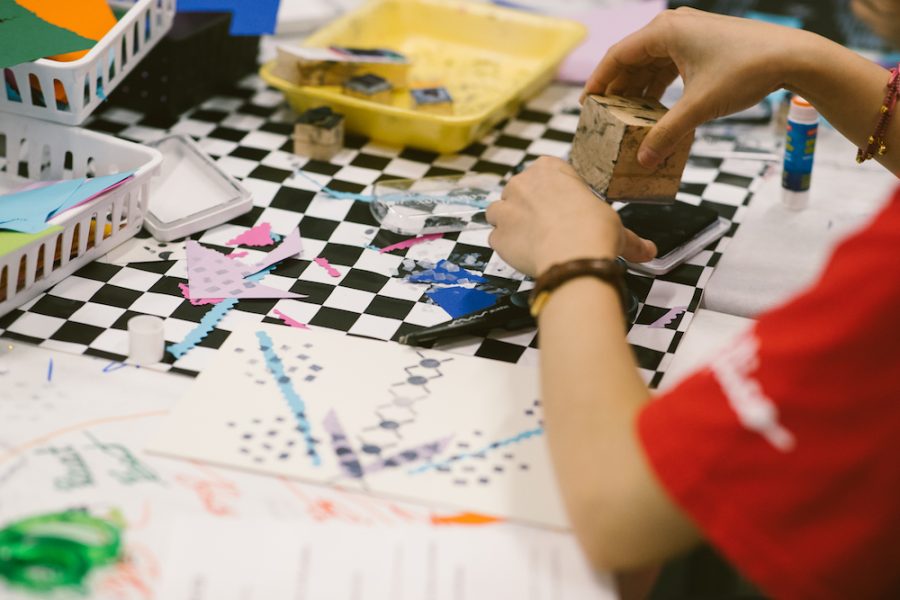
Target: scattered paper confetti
[[290, 321], [411, 242], [260, 235], [323, 262], [240, 254], [459, 301], [667, 318], [446, 272], [138, 250]]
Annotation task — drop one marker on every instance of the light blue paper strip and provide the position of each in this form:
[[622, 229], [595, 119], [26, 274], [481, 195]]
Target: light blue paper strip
[[206, 324], [520, 437], [209, 321], [294, 401], [28, 211]]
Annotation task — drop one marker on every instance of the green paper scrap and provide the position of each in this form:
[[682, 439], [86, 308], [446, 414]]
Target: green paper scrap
[[25, 37], [10, 241]]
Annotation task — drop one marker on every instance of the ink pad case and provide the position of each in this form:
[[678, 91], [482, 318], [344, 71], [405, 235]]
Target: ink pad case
[[192, 193]]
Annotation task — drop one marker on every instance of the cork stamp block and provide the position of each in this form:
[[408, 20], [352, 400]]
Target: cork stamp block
[[604, 151], [319, 133]]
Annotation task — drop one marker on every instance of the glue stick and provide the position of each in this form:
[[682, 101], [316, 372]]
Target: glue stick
[[802, 128]]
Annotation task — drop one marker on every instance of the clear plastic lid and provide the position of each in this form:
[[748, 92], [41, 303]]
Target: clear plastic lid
[[435, 204]]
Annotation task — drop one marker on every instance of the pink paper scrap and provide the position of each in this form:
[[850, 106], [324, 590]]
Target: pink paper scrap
[[323, 262], [185, 291], [240, 254], [411, 242], [289, 321], [291, 246], [259, 235], [667, 318]]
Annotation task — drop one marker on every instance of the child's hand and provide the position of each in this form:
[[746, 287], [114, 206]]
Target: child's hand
[[547, 215], [728, 65]]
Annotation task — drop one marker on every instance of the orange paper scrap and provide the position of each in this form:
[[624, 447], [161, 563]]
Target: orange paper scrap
[[88, 18]]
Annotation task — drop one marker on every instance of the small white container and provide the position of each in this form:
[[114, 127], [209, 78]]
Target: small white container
[[192, 192], [38, 150], [108, 62], [146, 340]]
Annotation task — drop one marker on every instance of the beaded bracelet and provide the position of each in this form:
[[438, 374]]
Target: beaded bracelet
[[876, 144]]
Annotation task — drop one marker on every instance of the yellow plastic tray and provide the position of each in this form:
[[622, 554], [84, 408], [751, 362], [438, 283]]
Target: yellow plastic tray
[[491, 59]]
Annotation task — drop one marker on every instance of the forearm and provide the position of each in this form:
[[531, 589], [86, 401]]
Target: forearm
[[847, 90], [592, 394]]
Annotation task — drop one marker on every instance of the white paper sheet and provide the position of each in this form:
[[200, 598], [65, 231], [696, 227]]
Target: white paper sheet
[[216, 559], [75, 439], [397, 421]]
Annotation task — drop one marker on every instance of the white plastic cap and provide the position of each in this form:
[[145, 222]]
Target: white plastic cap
[[795, 200], [146, 341], [802, 111]]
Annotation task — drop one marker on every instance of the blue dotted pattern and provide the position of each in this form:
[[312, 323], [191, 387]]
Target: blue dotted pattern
[[295, 402]]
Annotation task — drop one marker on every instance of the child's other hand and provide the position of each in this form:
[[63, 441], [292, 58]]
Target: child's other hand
[[547, 215], [728, 64]]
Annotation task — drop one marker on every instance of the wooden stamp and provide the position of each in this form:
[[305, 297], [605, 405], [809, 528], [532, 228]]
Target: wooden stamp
[[604, 151], [436, 100], [333, 66], [319, 133], [369, 87]]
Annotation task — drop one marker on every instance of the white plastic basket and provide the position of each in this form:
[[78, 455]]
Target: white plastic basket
[[107, 63], [32, 150]]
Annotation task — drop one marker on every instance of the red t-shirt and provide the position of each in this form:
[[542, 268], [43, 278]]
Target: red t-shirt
[[785, 449]]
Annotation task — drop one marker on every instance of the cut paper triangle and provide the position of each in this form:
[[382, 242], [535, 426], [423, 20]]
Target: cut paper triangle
[[92, 188], [27, 211], [291, 246], [211, 274], [25, 37], [91, 19]]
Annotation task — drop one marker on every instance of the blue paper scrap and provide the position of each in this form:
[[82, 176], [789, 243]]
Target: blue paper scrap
[[28, 211], [446, 272], [459, 301], [248, 17]]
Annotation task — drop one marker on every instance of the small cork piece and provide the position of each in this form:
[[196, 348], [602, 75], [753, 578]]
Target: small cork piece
[[604, 151], [436, 100], [319, 133], [369, 87]]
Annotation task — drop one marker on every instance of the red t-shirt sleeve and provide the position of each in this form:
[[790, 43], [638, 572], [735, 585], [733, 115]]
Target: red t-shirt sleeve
[[785, 449]]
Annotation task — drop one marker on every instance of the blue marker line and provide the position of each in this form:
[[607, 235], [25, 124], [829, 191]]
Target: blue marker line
[[50, 371], [294, 401], [520, 437], [113, 366]]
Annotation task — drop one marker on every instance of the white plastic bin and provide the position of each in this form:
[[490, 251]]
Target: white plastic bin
[[107, 63], [32, 150]]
